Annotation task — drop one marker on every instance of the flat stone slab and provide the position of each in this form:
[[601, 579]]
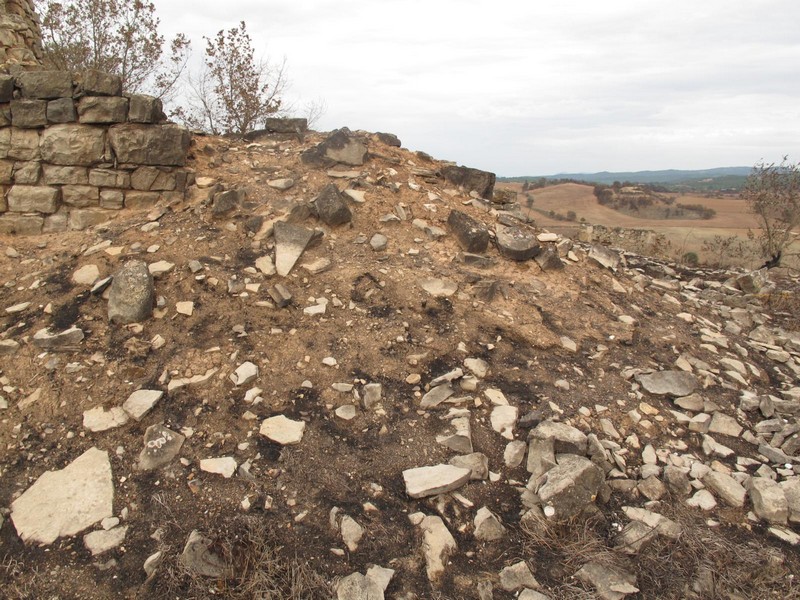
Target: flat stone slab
[[282, 430], [726, 487], [668, 383], [101, 541], [99, 419], [609, 582], [224, 465], [439, 288], [141, 402], [290, 243], [63, 503], [438, 479]]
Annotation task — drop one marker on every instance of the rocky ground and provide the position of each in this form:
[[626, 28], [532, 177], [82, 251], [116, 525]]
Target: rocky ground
[[336, 370]]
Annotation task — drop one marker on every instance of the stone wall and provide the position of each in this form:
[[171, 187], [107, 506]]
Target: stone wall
[[74, 149], [20, 36]]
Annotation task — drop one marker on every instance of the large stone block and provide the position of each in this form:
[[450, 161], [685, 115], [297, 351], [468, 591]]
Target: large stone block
[[24, 144], [29, 114], [3, 201], [21, 224], [27, 173], [61, 110], [472, 180], [81, 218], [154, 145], [6, 172], [99, 83], [6, 88], [102, 110], [28, 198], [45, 84], [5, 141], [112, 199], [471, 235], [109, 178], [5, 115], [80, 196], [139, 200], [156, 179], [145, 109], [57, 222], [59, 175], [75, 145]]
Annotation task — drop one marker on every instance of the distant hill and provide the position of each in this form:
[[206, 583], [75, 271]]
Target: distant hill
[[723, 178]]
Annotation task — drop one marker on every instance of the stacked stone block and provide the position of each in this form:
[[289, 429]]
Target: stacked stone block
[[20, 35], [75, 149]]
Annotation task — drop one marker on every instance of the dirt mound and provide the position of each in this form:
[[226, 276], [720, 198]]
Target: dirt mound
[[388, 348]]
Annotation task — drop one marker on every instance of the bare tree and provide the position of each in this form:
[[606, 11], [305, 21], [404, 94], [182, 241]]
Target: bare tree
[[772, 192], [235, 92], [115, 36]]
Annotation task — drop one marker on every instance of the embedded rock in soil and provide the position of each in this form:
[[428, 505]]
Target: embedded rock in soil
[[517, 243], [132, 294], [517, 576], [610, 583], [488, 527], [605, 257], [290, 243], [471, 235], [566, 439], [141, 402], [63, 503], [437, 545], [224, 465], [726, 487], [101, 541], [668, 383], [98, 419], [69, 337], [331, 208], [339, 147], [283, 430], [199, 559], [438, 479], [570, 486], [769, 500]]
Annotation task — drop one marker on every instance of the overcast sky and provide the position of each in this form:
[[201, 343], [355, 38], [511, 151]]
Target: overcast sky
[[534, 88]]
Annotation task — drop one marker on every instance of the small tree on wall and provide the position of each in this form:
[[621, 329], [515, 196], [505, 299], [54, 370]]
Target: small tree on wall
[[235, 92], [114, 36], [772, 192]]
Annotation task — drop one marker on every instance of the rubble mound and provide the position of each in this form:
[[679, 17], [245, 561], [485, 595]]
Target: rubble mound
[[341, 369]]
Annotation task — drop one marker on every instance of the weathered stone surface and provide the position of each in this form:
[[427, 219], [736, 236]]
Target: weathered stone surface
[[21, 224], [29, 198], [438, 479], [99, 83], [161, 446], [27, 173], [63, 503], [25, 144], [724, 424], [517, 243], [132, 294], [286, 125], [605, 257], [62, 175], [668, 383], [83, 218], [107, 178], [145, 109], [488, 527], [461, 440], [198, 557], [339, 148], [351, 532], [156, 145], [282, 430], [290, 243], [549, 260], [566, 438], [517, 576], [726, 487], [6, 87], [61, 110], [45, 84], [571, 485], [101, 541], [472, 180], [439, 288], [504, 419], [437, 545], [769, 500], [69, 337], [29, 113], [476, 462], [222, 465], [73, 144], [102, 110], [80, 196], [141, 402], [471, 235], [98, 419], [611, 583], [361, 587], [331, 207]]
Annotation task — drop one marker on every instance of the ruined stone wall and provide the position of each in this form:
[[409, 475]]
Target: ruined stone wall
[[20, 36], [75, 149]]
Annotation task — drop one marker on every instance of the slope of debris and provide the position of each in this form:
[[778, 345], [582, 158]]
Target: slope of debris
[[336, 370]]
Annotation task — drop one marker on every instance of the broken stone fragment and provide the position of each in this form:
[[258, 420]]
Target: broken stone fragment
[[224, 465], [476, 462], [769, 500], [471, 235], [69, 337], [726, 487], [504, 419], [517, 576], [566, 439], [340, 147], [438, 479], [605, 257], [282, 430], [98, 542], [570, 486], [63, 503], [471, 180], [244, 374], [439, 288], [98, 419], [331, 207], [461, 439], [198, 558], [290, 243], [141, 402], [668, 383], [516, 243], [611, 583], [132, 295], [161, 446], [488, 527], [437, 546], [351, 532], [436, 396]]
